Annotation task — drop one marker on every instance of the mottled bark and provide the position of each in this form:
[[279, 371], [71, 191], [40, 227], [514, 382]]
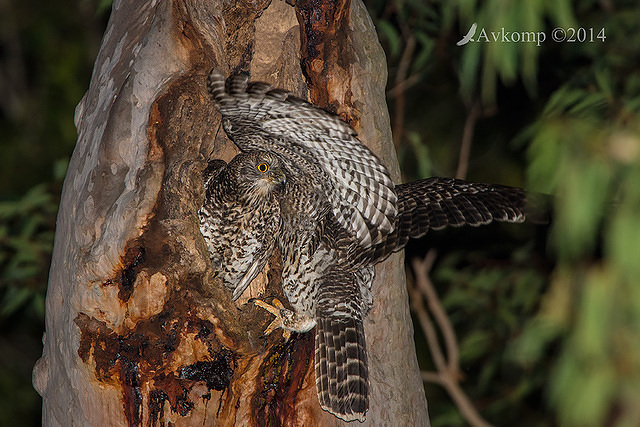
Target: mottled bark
[[138, 329]]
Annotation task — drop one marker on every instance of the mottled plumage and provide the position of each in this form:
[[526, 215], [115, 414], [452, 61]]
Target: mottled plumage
[[327, 275], [240, 217], [337, 215], [321, 145]]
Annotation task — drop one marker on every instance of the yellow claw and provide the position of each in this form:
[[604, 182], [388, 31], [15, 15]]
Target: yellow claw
[[274, 308]]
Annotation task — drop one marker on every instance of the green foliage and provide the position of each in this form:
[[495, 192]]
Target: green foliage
[[480, 65], [490, 61], [26, 239], [537, 348], [597, 175], [489, 295], [586, 151], [47, 51]]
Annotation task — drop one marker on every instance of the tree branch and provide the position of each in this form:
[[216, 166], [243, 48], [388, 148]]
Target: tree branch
[[401, 76], [448, 372], [421, 270], [417, 304], [473, 114]]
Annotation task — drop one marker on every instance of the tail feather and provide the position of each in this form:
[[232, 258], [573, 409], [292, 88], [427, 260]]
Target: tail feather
[[342, 378]]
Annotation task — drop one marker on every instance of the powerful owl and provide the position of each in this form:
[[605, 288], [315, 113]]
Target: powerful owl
[[334, 213], [240, 217], [321, 145]]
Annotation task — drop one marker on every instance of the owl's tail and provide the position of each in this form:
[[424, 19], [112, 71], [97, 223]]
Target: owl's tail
[[342, 378]]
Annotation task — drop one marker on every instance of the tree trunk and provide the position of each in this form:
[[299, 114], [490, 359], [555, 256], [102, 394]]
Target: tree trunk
[[139, 331]]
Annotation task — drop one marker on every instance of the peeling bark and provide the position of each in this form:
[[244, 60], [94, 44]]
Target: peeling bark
[[139, 330]]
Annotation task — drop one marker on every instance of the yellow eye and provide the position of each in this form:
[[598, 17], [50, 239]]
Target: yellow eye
[[263, 167]]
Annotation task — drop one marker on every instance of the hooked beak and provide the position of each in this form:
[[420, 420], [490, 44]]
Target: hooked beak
[[278, 178]]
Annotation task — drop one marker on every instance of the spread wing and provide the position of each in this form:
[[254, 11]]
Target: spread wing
[[258, 117], [436, 203]]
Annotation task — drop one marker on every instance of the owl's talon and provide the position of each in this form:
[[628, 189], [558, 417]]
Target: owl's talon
[[274, 308]]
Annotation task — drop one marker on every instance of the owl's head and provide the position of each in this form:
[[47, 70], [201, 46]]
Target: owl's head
[[259, 172]]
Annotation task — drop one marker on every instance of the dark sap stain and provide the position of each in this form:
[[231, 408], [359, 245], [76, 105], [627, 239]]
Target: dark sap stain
[[281, 379], [174, 390], [116, 360], [125, 277], [142, 356], [132, 259], [131, 392], [156, 407], [216, 373]]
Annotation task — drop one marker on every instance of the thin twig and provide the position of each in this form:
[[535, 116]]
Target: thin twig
[[403, 85], [467, 138], [448, 373], [429, 331], [459, 397], [421, 270], [401, 75]]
